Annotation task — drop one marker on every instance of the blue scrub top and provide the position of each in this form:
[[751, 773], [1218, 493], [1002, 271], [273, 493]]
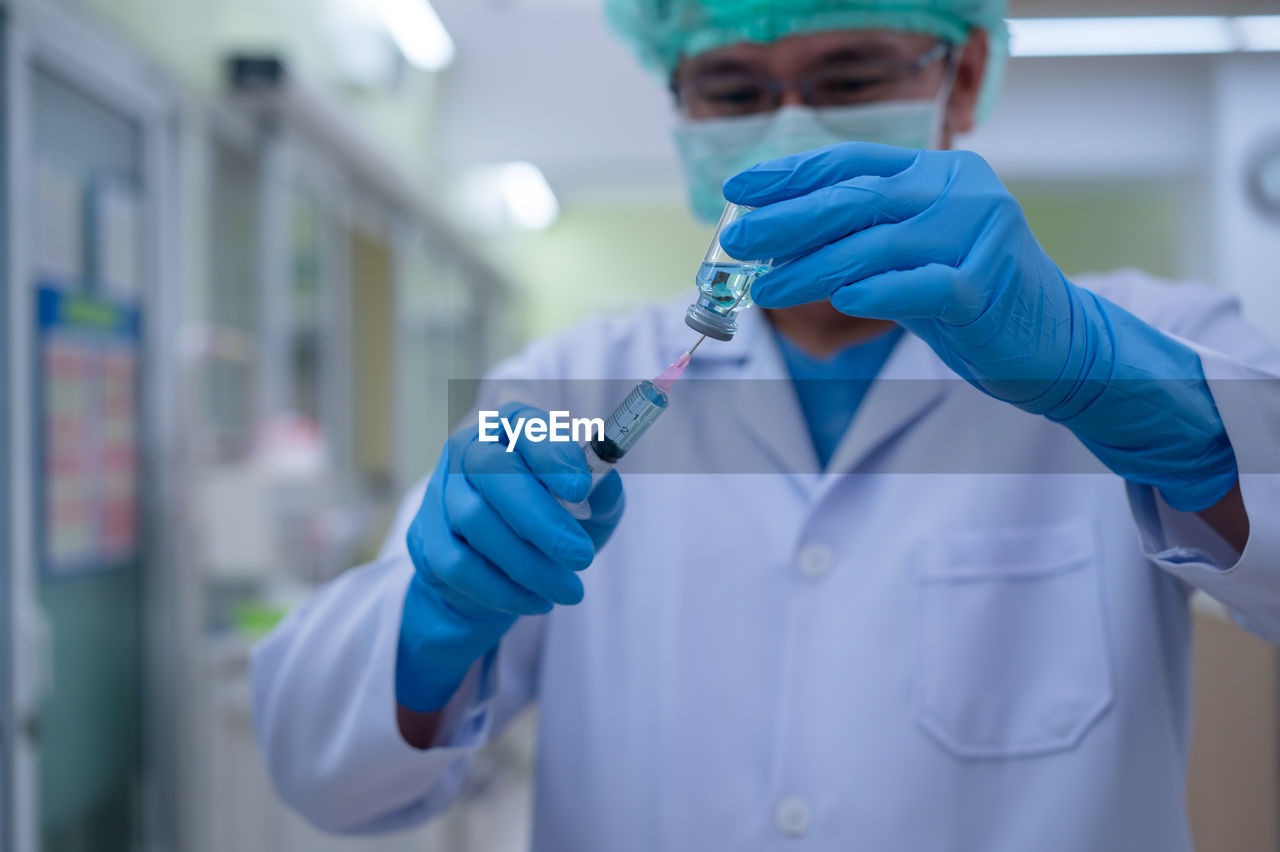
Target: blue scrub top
[[831, 389]]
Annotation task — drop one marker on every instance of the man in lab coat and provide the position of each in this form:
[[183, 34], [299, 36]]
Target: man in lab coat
[[946, 609]]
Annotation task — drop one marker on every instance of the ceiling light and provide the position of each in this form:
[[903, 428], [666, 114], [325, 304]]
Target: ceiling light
[[418, 32], [1258, 32], [528, 196], [1131, 36]]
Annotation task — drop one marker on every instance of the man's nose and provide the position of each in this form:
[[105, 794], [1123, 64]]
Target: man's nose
[[792, 96]]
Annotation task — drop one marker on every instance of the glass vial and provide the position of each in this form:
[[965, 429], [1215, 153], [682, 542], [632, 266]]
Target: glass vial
[[724, 284]]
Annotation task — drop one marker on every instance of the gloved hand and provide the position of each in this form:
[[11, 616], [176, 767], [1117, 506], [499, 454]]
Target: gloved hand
[[490, 543], [932, 240]]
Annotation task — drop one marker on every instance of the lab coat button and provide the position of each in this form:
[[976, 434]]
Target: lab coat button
[[792, 816], [815, 561]]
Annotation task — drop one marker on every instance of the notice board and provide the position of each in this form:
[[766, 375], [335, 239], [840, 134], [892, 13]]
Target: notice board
[[88, 430]]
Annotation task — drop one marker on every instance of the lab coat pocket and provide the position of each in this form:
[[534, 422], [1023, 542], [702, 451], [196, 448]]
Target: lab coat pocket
[[1012, 655]]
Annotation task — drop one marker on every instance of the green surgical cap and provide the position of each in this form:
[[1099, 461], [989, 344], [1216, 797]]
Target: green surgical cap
[[662, 32]]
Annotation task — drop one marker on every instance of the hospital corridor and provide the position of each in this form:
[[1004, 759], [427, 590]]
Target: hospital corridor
[[640, 426]]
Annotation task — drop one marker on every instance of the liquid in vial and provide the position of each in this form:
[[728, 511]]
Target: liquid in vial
[[724, 282]]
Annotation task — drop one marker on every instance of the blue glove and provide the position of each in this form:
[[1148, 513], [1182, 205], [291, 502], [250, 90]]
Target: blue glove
[[490, 543], [932, 240]]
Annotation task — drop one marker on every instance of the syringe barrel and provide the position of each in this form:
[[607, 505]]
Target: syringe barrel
[[629, 421]]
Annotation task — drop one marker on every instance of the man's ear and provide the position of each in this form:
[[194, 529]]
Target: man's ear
[[971, 70]]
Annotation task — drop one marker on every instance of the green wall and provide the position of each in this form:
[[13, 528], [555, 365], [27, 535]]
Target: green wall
[[1096, 226], [602, 257]]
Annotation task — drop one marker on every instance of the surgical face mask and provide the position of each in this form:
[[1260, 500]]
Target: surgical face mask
[[714, 150]]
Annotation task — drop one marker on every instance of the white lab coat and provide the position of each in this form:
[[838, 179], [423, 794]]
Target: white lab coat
[[905, 656]]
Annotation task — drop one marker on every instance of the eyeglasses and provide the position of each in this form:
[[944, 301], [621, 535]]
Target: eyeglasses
[[732, 91]]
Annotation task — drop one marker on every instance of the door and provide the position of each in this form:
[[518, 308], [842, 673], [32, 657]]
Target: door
[[82, 208], [89, 554], [372, 384], [7, 730]]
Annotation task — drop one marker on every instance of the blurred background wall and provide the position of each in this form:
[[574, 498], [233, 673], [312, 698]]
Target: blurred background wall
[[282, 230]]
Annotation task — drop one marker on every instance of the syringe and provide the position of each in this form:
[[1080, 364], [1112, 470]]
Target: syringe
[[631, 419], [640, 410]]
